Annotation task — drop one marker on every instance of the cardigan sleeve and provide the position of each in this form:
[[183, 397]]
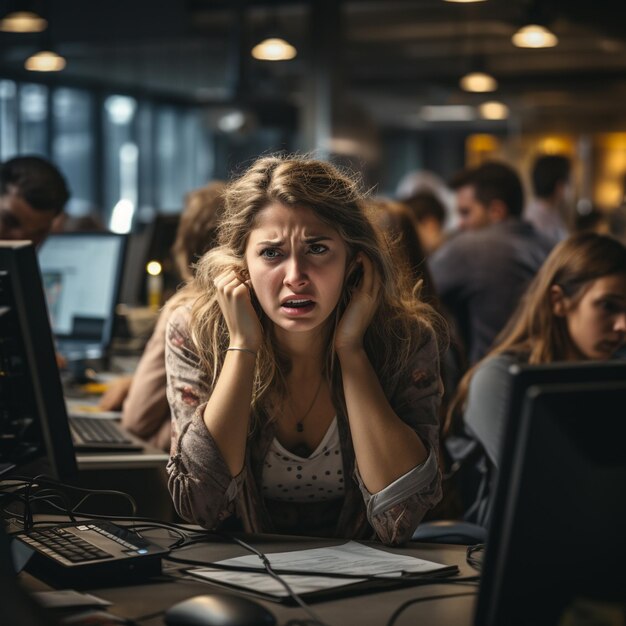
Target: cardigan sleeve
[[199, 481], [396, 511]]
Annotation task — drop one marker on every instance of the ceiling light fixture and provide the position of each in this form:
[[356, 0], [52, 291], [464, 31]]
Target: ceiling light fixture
[[534, 36], [45, 61], [274, 49], [463, 1], [478, 82], [493, 110], [23, 22], [447, 113]]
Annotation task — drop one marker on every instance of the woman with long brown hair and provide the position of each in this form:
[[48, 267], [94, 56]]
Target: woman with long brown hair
[[304, 379], [574, 310]]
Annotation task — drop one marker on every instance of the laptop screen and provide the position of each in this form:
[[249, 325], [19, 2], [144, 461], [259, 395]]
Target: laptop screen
[[81, 274]]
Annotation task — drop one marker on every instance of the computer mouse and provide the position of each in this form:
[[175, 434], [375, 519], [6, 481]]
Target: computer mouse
[[219, 609]]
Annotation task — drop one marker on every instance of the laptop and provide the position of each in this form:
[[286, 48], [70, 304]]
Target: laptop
[[33, 415], [81, 275]]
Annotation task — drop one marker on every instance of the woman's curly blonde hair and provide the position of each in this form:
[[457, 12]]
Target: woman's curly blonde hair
[[401, 319]]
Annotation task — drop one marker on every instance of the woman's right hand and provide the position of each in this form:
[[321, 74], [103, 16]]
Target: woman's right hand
[[233, 296]]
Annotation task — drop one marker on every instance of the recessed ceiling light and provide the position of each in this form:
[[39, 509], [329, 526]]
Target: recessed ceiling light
[[22, 22], [45, 61], [447, 113], [493, 110], [534, 36], [274, 49], [478, 82]]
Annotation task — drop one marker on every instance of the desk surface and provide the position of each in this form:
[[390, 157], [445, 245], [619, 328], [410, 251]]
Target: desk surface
[[146, 458], [374, 609]]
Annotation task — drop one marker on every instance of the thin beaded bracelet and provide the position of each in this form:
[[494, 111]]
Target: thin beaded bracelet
[[241, 350]]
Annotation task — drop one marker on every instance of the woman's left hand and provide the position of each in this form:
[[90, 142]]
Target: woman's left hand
[[361, 308]]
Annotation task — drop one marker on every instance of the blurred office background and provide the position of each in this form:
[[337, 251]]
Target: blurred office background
[[157, 97]]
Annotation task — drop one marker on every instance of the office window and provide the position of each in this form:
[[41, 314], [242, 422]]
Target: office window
[[146, 141], [200, 142], [8, 119], [172, 161], [121, 161], [73, 146], [33, 119], [183, 156]]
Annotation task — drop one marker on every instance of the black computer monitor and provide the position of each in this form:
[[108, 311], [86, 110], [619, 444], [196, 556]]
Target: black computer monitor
[[33, 418], [82, 273], [557, 533], [152, 242], [522, 377]]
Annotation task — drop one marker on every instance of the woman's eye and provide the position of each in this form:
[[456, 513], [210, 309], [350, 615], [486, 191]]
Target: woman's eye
[[610, 307], [317, 248], [270, 253]]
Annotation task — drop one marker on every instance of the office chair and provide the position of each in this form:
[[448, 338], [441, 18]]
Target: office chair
[[450, 531]]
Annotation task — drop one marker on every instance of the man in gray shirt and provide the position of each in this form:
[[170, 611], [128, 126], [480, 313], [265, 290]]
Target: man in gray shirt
[[481, 273], [550, 209]]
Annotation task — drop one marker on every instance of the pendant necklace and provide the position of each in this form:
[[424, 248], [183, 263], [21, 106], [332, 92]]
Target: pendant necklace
[[299, 423]]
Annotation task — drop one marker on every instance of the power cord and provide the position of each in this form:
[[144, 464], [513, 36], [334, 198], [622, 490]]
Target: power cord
[[317, 621], [28, 485], [394, 616]]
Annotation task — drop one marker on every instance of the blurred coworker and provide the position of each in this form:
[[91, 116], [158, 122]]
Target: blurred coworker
[[145, 410], [88, 223], [430, 214], [32, 193], [399, 229], [480, 273], [574, 310], [550, 210], [594, 221]]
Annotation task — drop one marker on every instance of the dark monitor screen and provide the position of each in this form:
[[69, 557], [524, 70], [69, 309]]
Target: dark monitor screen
[[557, 534], [82, 274], [153, 242], [523, 376], [33, 417]]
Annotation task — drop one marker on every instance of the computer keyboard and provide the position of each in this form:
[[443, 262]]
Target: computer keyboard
[[100, 549], [65, 546], [99, 434]]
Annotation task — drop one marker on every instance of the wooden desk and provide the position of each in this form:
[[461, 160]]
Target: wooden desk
[[374, 609]]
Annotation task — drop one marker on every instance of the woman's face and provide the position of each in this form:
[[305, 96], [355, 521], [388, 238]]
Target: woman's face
[[597, 322], [297, 266]]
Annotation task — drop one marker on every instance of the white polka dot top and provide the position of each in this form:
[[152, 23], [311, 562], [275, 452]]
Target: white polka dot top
[[287, 476]]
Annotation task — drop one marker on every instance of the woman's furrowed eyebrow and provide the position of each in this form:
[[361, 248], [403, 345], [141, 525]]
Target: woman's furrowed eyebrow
[[277, 242], [317, 239], [307, 240], [613, 295]]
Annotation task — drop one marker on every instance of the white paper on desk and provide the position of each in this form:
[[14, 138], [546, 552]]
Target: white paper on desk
[[350, 558], [263, 583]]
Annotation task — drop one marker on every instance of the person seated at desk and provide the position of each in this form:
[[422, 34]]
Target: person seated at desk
[[304, 380], [574, 310], [33, 193], [145, 411]]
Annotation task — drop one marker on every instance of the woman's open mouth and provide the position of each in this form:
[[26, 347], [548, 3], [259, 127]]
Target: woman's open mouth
[[297, 306]]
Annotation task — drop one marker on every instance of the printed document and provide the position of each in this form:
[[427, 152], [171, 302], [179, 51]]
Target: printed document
[[352, 558]]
